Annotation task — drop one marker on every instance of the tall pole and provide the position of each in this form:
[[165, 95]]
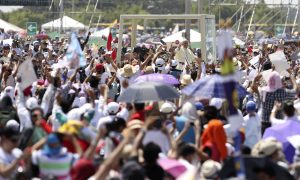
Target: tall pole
[[298, 21], [199, 5], [61, 5], [188, 4]]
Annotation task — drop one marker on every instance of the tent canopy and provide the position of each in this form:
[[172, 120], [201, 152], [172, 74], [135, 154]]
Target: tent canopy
[[9, 27], [68, 23], [194, 36], [102, 32]]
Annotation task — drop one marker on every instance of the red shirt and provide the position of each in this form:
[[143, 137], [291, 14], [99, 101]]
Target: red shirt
[[70, 146]]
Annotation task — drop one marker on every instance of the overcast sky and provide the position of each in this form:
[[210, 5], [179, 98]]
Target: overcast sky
[[11, 8]]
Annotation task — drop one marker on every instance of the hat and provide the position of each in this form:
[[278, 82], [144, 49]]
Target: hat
[[167, 107], [148, 70], [127, 71], [13, 124], [113, 108], [210, 169], [52, 139], [36, 43], [74, 114], [99, 67], [160, 63], [186, 79], [268, 147], [71, 127], [135, 124], [199, 106], [174, 63], [250, 106], [216, 102], [32, 103]]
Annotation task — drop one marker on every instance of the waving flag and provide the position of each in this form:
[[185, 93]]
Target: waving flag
[[109, 40], [74, 56]]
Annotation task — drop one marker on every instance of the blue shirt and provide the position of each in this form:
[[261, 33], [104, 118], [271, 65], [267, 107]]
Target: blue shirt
[[190, 135]]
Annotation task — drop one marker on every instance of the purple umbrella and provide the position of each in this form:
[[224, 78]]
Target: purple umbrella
[[281, 132], [155, 77]]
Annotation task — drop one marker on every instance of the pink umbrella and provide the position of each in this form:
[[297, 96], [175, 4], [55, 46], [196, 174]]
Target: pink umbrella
[[172, 166]]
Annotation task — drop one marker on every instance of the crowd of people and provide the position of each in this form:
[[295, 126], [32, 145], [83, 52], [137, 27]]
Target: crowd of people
[[67, 123]]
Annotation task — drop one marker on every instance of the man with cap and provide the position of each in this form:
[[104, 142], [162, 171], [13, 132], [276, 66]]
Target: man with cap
[[173, 71], [252, 124], [36, 48]]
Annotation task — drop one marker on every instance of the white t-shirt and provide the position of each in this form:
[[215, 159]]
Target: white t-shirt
[[159, 138], [129, 80], [6, 159]]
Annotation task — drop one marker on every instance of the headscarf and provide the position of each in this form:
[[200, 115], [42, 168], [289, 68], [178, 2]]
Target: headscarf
[[189, 111], [8, 91], [274, 83], [215, 134]]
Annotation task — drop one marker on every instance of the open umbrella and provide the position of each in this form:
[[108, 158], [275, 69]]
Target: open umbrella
[[212, 86], [172, 166], [148, 91], [42, 36], [156, 77], [281, 133]]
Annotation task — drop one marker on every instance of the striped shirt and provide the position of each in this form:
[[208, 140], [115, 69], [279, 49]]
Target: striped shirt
[[57, 166]]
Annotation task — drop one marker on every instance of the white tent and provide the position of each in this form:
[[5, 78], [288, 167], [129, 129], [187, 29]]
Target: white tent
[[194, 36], [9, 27], [68, 24], [102, 32]]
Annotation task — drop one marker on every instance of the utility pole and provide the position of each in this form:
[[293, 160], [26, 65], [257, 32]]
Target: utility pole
[[73, 5], [199, 5], [188, 4], [298, 16], [61, 6]]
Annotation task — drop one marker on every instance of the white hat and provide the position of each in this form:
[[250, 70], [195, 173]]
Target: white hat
[[127, 71], [32, 103], [12, 123], [36, 43], [113, 108], [167, 107], [216, 102], [174, 63], [268, 147], [160, 63], [210, 168], [74, 114]]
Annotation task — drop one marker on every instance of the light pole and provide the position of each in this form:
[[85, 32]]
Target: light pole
[[188, 4], [61, 6]]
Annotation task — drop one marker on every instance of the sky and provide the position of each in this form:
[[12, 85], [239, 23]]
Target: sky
[[11, 8]]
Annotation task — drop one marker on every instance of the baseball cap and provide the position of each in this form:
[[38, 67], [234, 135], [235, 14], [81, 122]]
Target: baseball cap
[[250, 106], [113, 108], [159, 62], [174, 63], [32, 103]]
